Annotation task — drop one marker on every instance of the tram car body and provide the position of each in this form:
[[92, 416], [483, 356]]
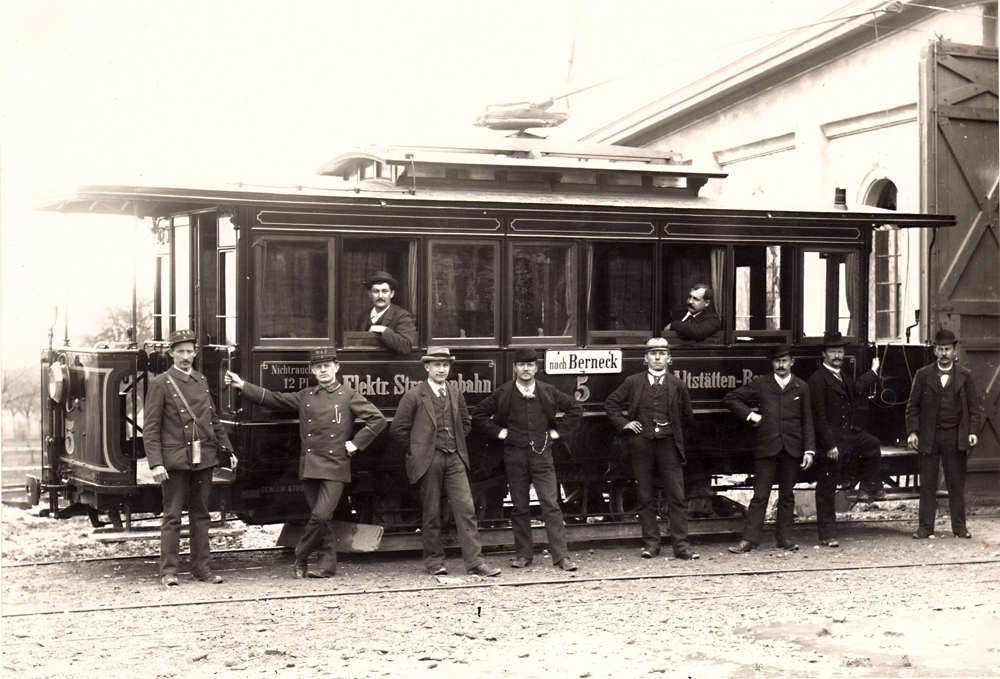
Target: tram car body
[[582, 252]]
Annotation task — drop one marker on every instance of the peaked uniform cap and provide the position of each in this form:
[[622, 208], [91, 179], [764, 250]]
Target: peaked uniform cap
[[657, 344], [322, 355], [178, 336]]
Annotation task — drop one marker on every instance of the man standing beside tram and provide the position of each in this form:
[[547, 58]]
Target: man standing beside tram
[[392, 324]]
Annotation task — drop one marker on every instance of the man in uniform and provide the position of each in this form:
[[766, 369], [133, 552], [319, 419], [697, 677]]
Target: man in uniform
[[942, 417], [785, 443], [700, 320], [522, 414], [392, 324], [432, 421], [326, 422], [658, 411], [182, 437], [843, 444]]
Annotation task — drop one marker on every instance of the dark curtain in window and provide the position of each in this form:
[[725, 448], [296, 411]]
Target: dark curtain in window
[[462, 290], [621, 290], [543, 291], [294, 289]]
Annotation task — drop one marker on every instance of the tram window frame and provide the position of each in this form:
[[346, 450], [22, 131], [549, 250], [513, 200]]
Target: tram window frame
[[646, 304], [779, 327], [352, 282], [433, 270], [571, 258], [226, 236], [844, 276], [678, 278]]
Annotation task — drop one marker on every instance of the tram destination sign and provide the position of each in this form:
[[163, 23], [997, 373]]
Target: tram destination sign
[[582, 361]]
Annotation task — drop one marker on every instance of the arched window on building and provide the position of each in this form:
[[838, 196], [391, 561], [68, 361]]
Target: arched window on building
[[887, 286]]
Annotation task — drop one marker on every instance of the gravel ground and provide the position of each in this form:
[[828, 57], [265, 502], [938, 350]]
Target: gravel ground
[[811, 613]]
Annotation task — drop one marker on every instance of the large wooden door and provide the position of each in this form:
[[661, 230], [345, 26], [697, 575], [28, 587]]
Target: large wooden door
[[960, 175]]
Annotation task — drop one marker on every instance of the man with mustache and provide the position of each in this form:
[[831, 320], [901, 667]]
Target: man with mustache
[[700, 320], [393, 326]]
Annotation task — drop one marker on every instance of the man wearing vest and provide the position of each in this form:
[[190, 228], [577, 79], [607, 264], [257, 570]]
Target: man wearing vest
[[182, 436], [653, 408], [522, 414], [392, 324], [432, 421], [942, 417]]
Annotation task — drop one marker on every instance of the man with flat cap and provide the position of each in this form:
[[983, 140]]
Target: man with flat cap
[[841, 440], [942, 418], [653, 408], [392, 324], [785, 443], [182, 436], [326, 424], [432, 421], [522, 414]]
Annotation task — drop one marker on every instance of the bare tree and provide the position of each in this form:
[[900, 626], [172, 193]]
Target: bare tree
[[20, 391], [117, 320]]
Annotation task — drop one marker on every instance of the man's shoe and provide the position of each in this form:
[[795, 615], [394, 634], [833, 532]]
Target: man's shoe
[[649, 553], [923, 536], [169, 580], [566, 564], [788, 546], [520, 562], [967, 535], [320, 573], [485, 571], [300, 568], [743, 547], [437, 570], [687, 555], [829, 542], [210, 578]]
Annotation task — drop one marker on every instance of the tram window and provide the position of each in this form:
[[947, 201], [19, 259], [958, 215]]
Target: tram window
[[544, 291], [762, 294], [463, 291], [226, 243], [361, 258], [830, 281], [293, 288], [161, 298], [182, 275], [620, 292]]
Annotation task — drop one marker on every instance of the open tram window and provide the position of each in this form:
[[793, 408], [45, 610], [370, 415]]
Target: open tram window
[[362, 257], [543, 300], [687, 268], [463, 292], [762, 293], [226, 241], [292, 288], [620, 292], [830, 301]]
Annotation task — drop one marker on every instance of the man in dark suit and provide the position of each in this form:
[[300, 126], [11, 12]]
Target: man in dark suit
[[326, 422], [700, 320], [784, 438], [522, 414], [657, 411], [182, 436], [432, 421], [392, 324], [842, 442], [942, 417]]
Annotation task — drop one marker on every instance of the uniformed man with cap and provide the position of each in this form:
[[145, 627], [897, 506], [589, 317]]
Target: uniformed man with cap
[[653, 408], [942, 418], [392, 324], [182, 437], [326, 424], [522, 414]]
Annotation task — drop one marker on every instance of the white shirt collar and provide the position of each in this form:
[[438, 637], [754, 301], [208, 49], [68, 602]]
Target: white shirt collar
[[438, 389], [782, 382], [375, 315], [525, 391], [835, 371], [651, 375]]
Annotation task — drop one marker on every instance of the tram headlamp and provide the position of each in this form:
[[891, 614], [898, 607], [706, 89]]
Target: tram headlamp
[[58, 382]]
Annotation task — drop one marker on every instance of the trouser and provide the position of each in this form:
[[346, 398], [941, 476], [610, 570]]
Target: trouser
[[447, 475], [650, 456], [785, 469], [858, 450], [524, 467], [944, 453], [322, 495], [193, 487]]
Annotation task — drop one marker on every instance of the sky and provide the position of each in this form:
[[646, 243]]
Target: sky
[[193, 93]]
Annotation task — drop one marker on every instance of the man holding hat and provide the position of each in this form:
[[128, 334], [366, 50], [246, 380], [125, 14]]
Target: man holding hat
[[432, 421], [942, 417], [522, 414], [785, 443], [326, 422], [394, 325], [653, 408], [182, 436], [842, 441]]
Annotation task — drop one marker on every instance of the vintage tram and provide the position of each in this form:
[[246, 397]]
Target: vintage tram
[[580, 251]]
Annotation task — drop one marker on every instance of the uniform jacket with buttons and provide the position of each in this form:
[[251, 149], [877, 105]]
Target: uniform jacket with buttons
[[326, 421], [786, 415], [835, 411], [628, 397], [168, 429], [415, 426], [925, 398]]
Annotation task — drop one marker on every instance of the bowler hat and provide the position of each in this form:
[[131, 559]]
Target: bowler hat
[[322, 355], [782, 350], [178, 336], [438, 354], [381, 277], [834, 339], [525, 356], [944, 336]]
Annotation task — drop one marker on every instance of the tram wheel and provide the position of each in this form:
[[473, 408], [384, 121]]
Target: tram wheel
[[624, 501]]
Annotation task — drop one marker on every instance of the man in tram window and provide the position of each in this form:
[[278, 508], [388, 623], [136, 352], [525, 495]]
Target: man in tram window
[[843, 445], [392, 324], [326, 423], [785, 443], [432, 421], [699, 320], [183, 437], [522, 414], [657, 412], [942, 417]]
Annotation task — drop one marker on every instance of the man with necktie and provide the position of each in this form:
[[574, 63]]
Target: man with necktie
[[393, 326]]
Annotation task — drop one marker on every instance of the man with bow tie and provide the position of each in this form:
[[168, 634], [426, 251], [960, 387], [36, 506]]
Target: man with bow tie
[[522, 414], [393, 326], [326, 422], [653, 408], [942, 418]]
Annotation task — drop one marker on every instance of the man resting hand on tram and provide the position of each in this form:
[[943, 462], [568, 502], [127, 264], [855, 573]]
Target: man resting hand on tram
[[394, 325]]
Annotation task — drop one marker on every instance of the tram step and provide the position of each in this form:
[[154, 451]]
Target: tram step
[[351, 537], [148, 533]]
